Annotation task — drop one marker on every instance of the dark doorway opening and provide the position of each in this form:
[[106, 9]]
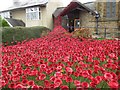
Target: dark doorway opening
[[71, 25], [72, 16], [71, 20]]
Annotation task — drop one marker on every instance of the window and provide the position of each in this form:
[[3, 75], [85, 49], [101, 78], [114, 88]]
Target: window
[[110, 8], [77, 23], [33, 13], [6, 14]]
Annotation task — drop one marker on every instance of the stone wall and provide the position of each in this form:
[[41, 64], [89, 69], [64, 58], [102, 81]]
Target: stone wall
[[108, 28], [87, 21], [111, 24]]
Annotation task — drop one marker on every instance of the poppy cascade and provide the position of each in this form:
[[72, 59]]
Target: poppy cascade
[[58, 60]]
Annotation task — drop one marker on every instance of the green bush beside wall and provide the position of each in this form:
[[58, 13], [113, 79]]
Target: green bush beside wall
[[3, 23], [12, 34]]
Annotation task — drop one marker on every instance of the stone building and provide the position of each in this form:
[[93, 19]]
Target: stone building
[[109, 21], [101, 17], [76, 15]]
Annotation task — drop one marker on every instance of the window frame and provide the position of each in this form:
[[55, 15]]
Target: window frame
[[30, 13], [77, 23], [6, 14], [110, 9]]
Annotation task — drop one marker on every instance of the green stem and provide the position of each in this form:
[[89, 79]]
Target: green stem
[[69, 85], [102, 85]]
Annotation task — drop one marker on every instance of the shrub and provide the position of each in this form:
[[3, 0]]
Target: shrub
[[13, 34], [81, 32], [0, 22], [3, 23]]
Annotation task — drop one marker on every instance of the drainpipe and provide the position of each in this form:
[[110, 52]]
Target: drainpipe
[[97, 17]]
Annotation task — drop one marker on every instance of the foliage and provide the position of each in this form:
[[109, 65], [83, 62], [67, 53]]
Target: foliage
[[60, 61], [81, 32], [11, 35], [3, 23], [0, 22]]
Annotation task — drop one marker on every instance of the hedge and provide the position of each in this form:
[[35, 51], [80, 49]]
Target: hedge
[[13, 34]]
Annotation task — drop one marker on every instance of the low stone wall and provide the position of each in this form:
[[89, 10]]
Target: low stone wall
[[110, 29]]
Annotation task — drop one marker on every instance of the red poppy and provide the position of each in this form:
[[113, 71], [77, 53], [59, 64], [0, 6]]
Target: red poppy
[[52, 86], [108, 76], [112, 55], [59, 68], [15, 78], [76, 74], [69, 79], [95, 81], [14, 73], [64, 87], [99, 78], [64, 77], [77, 83], [31, 83], [2, 83], [42, 77], [57, 82], [24, 82], [92, 84], [66, 59], [58, 74], [113, 84], [19, 86], [52, 78], [46, 84], [84, 85], [35, 87], [69, 69], [42, 66], [85, 74]]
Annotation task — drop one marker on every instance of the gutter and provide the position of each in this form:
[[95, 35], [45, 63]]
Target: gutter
[[21, 7]]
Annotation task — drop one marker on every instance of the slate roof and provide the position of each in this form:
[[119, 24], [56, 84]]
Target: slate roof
[[28, 3], [58, 11], [77, 5], [15, 22], [90, 5]]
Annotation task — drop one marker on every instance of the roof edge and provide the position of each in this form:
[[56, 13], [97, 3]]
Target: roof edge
[[81, 4], [22, 7]]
